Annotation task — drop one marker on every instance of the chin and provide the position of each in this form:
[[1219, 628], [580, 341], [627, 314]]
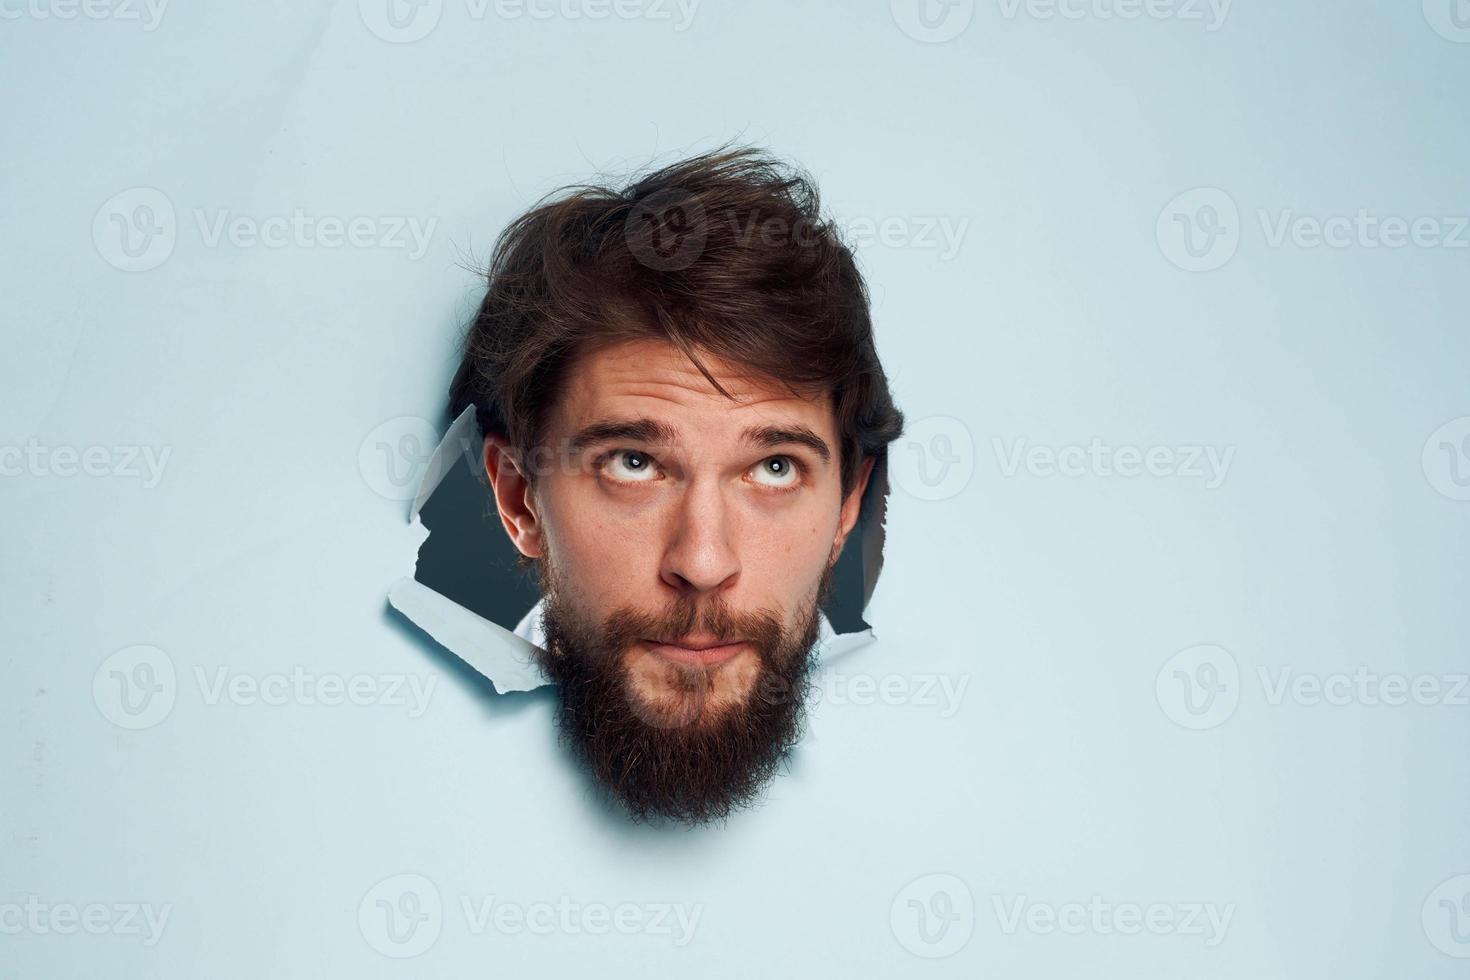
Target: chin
[[687, 694]]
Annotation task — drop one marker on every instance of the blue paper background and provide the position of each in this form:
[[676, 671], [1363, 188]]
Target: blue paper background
[[272, 374]]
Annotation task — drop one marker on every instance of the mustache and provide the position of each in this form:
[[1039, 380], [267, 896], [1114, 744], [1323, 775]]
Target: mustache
[[628, 626]]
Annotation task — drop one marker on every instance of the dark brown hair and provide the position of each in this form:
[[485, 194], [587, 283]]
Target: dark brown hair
[[726, 252]]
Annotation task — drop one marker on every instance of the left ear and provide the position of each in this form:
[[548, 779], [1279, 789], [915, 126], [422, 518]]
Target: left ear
[[851, 507]]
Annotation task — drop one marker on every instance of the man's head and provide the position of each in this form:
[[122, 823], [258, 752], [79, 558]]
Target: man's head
[[683, 406]]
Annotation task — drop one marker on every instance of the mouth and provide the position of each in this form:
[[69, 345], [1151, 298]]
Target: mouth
[[707, 652]]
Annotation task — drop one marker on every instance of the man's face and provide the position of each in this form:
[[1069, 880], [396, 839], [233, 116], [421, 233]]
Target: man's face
[[685, 543]]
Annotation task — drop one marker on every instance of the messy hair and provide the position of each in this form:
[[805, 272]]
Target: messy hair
[[725, 253]]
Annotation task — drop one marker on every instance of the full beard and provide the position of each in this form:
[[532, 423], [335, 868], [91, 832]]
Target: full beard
[[695, 754]]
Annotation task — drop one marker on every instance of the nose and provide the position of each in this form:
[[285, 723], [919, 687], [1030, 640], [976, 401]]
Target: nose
[[701, 555]]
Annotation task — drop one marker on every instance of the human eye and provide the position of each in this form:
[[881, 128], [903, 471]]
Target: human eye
[[627, 466], [782, 473]]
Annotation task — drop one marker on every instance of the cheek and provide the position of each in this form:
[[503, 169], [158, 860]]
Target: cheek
[[794, 547], [602, 552], [784, 561]]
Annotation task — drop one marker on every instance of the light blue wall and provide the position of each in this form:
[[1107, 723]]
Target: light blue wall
[[1018, 741]]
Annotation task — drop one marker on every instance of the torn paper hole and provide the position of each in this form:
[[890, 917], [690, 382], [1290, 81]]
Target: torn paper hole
[[467, 593]]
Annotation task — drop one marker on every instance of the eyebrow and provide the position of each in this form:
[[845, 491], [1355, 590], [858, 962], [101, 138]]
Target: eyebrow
[[647, 430]]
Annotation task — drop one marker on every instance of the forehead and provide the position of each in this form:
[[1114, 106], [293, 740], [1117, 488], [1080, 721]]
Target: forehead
[[655, 378]]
